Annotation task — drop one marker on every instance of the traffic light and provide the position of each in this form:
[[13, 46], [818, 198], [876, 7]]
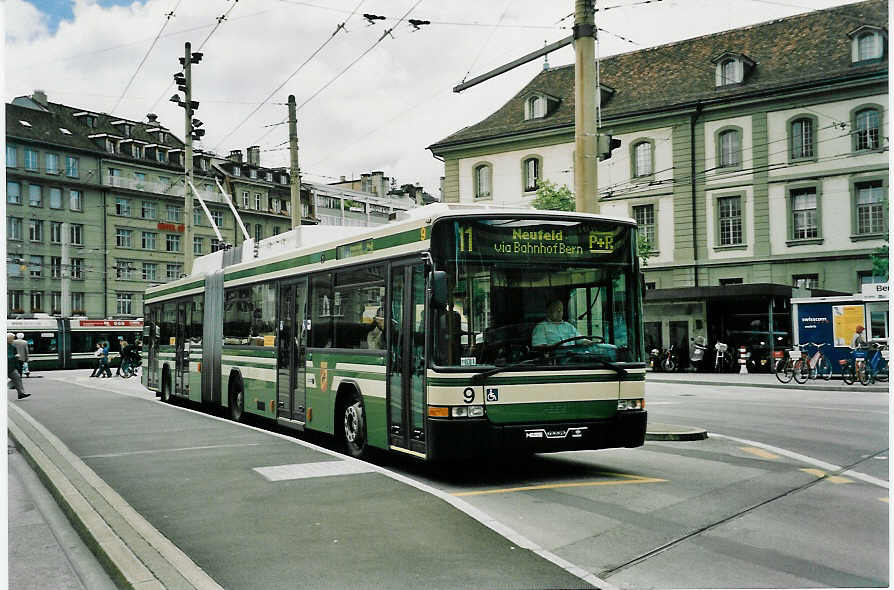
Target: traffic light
[[604, 146]]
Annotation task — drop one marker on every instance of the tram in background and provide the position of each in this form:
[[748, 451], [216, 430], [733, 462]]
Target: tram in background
[[423, 337], [70, 343]]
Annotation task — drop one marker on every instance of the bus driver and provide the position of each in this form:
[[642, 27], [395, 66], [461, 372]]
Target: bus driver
[[554, 329]]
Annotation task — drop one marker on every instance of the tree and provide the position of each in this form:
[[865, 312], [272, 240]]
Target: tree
[[551, 196], [880, 262], [643, 248]]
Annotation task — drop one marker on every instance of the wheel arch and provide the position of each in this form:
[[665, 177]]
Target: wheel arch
[[346, 388]]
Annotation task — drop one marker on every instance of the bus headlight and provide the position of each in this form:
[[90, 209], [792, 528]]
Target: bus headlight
[[631, 404], [467, 411]]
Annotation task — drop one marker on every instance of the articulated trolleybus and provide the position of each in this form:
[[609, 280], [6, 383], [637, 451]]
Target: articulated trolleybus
[[453, 332]]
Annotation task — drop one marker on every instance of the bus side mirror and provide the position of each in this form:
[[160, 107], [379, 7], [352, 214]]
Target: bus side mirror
[[439, 288]]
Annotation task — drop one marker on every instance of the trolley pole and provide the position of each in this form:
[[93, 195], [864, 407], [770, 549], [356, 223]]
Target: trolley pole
[[187, 189], [294, 170], [585, 142]]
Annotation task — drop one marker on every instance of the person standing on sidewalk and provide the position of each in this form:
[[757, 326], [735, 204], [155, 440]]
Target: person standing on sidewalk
[[104, 370], [97, 367], [21, 346], [13, 367]]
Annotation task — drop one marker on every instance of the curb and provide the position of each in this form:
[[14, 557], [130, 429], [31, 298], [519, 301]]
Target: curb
[[135, 554], [844, 388], [668, 432]]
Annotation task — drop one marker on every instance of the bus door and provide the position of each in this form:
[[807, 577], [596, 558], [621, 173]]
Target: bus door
[[291, 351], [181, 355], [150, 345], [405, 316]]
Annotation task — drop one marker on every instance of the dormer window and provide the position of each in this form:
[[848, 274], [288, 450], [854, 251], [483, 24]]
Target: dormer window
[[731, 69], [111, 145], [252, 173], [237, 171], [867, 44], [539, 105]]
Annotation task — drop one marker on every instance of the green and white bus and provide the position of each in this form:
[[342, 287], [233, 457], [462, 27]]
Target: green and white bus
[[455, 331]]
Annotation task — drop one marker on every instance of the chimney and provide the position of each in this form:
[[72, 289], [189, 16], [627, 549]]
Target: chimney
[[254, 155], [152, 118], [235, 156], [40, 97], [342, 178]]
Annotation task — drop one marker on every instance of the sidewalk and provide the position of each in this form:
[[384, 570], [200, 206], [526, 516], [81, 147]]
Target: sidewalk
[[760, 380]]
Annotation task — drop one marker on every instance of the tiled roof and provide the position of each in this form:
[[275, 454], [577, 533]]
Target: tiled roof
[[802, 49]]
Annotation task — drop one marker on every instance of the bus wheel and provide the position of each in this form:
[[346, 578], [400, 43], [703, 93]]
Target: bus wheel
[[355, 426], [237, 403]]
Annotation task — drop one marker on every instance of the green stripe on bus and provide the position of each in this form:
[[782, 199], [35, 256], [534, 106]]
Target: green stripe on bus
[[357, 359], [551, 411], [193, 285], [532, 380], [255, 352]]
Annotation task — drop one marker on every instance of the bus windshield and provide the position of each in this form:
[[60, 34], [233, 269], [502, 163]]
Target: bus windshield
[[536, 293]]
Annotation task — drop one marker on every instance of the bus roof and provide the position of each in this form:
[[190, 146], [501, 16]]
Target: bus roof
[[309, 240]]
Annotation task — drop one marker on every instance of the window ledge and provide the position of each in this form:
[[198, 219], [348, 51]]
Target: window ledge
[[804, 242], [731, 247], [864, 237], [866, 151], [796, 161]]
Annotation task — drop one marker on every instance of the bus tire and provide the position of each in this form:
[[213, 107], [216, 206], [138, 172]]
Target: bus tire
[[354, 425], [237, 400]]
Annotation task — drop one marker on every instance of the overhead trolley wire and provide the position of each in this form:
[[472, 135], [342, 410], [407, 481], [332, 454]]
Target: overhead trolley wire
[[340, 27]]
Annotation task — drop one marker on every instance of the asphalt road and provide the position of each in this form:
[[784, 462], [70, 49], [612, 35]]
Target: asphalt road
[[789, 490]]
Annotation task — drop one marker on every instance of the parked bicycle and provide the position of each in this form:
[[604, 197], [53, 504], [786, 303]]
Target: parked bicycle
[[130, 365], [814, 366], [866, 365], [722, 358]]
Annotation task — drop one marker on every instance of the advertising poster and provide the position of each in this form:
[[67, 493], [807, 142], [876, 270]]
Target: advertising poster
[[845, 319], [814, 323]]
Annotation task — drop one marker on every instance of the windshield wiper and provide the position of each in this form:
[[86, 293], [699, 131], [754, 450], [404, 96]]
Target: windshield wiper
[[481, 377]]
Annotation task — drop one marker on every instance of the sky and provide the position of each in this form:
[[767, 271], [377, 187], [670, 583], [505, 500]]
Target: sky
[[367, 100]]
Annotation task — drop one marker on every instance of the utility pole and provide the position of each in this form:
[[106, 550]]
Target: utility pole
[[184, 84], [585, 144], [66, 271], [586, 155], [294, 170]]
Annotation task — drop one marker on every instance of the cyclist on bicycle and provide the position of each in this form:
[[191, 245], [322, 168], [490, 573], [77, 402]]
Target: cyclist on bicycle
[[130, 356], [858, 341]]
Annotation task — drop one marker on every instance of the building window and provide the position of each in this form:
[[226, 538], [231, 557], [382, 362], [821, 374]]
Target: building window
[[123, 237], [259, 232], [150, 271], [161, 155], [55, 302], [123, 270], [197, 215], [866, 129], [532, 174], [804, 214], [34, 265], [15, 301], [275, 230], [215, 244], [197, 246], [802, 139], [122, 207], [11, 155], [14, 267], [141, 180], [274, 205], [482, 179], [729, 148], [52, 163], [245, 199], [866, 277], [14, 228], [729, 72], [535, 108], [217, 216], [77, 268], [172, 271], [729, 219], [75, 200], [237, 171], [55, 232], [35, 230], [809, 281], [868, 45], [35, 195], [173, 213], [645, 219], [14, 193], [732, 281], [124, 303], [258, 201], [30, 160], [72, 166], [77, 303], [642, 159], [172, 243], [36, 301], [76, 233], [871, 216], [56, 267], [147, 210], [55, 198], [147, 240]]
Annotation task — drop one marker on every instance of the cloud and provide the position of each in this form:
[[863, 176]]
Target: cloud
[[24, 22]]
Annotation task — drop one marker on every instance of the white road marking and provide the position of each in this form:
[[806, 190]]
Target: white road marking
[[175, 450], [311, 470], [805, 459]]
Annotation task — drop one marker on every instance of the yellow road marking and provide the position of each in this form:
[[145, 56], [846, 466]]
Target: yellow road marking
[[822, 474], [760, 452], [615, 482]]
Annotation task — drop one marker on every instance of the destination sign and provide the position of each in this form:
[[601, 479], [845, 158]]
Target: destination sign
[[515, 239]]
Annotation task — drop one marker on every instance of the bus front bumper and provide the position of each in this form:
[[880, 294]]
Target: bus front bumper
[[456, 439]]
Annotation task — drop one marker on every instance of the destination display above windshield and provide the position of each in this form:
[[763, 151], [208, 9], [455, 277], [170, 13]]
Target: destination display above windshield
[[508, 239]]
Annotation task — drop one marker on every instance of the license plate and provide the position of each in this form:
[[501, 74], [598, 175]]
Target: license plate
[[575, 432]]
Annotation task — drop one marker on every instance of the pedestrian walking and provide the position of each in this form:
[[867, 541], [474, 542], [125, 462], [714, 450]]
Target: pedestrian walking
[[13, 367], [104, 370], [97, 365], [22, 350]]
